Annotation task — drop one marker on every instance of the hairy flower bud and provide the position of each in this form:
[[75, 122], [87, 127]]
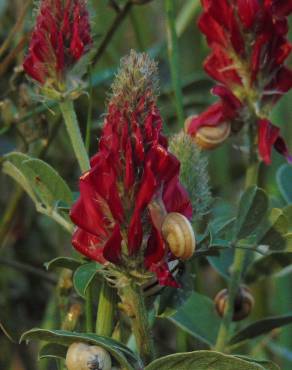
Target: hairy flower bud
[[60, 38], [133, 181]]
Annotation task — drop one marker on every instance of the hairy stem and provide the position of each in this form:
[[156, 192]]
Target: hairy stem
[[67, 109], [134, 305], [106, 310]]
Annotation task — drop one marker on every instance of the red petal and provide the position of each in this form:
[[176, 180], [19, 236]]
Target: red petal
[[213, 116], [155, 250], [247, 11], [267, 136], [88, 245], [112, 248], [176, 198], [220, 67], [164, 275]]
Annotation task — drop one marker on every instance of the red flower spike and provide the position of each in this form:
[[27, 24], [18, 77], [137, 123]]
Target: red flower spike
[[249, 46], [132, 168], [60, 38]]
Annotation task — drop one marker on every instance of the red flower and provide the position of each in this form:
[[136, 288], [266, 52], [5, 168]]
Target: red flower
[[60, 37], [249, 46], [132, 170]]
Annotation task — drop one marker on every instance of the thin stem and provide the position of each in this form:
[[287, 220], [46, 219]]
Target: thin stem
[[134, 305], [173, 55], [88, 311], [67, 109], [89, 112], [106, 309], [239, 257], [56, 217], [112, 30]]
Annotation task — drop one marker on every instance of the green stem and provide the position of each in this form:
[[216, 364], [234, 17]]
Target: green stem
[[67, 109], [134, 305], [88, 311], [89, 111], [239, 258], [106, 310], [173, 54]]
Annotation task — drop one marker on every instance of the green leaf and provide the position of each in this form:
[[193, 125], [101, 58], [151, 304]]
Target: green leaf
[[84, 275], [272, 230], [284, 180], [63, 262], [261, 327], [287, 211], [268, 365], [172, 298], [202, 360], [13, 167], [252, 208], [48, 184], [122, 354], [53, 350], [267, 265], [198, 318]]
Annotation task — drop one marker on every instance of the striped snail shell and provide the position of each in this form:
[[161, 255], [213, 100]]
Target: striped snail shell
[[81, 356], [179, 235], [243, 303], [210, 137]]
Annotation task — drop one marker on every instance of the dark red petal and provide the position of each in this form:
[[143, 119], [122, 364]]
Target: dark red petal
[[164, 164], [267, 136], [155, 251], [164, 275], [176, 198], [112, 248], [212, 116], [87, 212], [219, 66], [213, 30], [247, 10], [281, 147], [88, 245], [231, 103]]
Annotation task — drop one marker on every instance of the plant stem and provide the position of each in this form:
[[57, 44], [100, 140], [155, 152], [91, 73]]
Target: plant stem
[[67, 109], [239, 258], [134, 305], [106, 308], [88, 311], [89, 111], [173, 55]]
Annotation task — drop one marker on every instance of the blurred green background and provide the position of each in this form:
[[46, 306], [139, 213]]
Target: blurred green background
[[28, 240]]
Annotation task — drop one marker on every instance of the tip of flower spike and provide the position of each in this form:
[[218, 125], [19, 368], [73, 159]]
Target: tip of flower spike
[[137, 79]]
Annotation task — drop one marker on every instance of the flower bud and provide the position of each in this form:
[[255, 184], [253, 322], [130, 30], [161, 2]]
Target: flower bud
[[243, 303]]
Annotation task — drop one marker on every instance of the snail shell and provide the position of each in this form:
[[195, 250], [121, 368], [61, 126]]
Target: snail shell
[[243, 303], [210, 137], [179, 235], [81, 356]]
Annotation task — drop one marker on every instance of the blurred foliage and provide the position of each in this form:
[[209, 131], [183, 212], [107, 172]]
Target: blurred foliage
[[28, 296]]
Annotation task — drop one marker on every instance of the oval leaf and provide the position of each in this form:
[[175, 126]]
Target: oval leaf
[[266, 266], [261, 327], [84, 275], [284, 180], [53, 350], [63, 262], [122, 354], [198, 318], [252, 208], [202, 360]]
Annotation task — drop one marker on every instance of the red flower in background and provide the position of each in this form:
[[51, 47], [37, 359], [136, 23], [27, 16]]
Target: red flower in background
[[60, 38], [132, 170], [249, 46]]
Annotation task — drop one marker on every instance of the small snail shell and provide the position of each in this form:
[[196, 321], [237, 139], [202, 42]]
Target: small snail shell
[[243, 304], [210, 137], [81, 356], [179, 235]]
